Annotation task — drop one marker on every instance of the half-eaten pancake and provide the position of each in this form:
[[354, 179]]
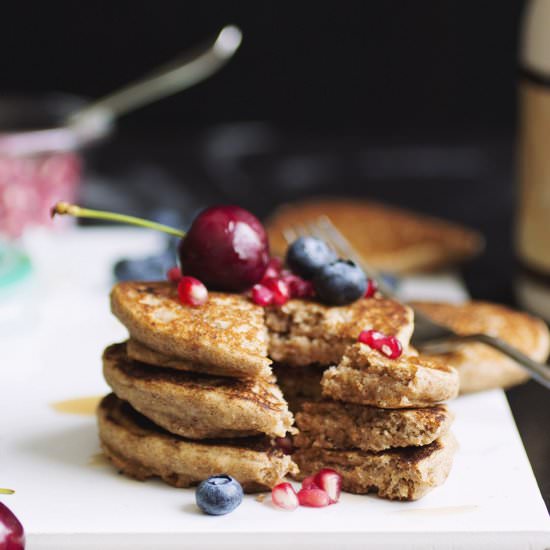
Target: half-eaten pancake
[[303, 332], [397, 474], [479, 366], [195, 405], [141, 450], [366, 377], [299, 384], [228, 330], [335, 425]]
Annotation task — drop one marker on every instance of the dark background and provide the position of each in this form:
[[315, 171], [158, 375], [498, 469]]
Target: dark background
[[378, 68], [412, 102]]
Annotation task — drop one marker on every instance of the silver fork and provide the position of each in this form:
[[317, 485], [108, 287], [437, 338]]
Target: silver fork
[[428, 335]]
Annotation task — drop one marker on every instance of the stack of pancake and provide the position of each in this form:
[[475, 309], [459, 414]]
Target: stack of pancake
[[194, 394], [377, 421]]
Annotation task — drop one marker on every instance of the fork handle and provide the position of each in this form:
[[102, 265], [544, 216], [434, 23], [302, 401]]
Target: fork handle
[[538, 371]]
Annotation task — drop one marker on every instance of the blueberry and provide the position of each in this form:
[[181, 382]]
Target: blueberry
[[219, 495], [340, 282], [152, 268], [307, 254]]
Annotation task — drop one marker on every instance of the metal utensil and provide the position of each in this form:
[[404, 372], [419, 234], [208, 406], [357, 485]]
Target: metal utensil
[[181, 73], [428, 335]]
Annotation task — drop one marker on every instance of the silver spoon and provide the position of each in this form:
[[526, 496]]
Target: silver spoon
[[181, 73]]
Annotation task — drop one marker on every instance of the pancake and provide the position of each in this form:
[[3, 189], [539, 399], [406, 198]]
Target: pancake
[[389, 239], [194, 405], [141, 450], [299, 384], [479, 366], [140, 352], [397, 474], [366, 377], [227, 332], [334, 425], [303, 332]]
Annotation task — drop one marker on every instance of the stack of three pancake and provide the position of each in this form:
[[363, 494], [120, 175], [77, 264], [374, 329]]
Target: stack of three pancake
[[194, 394], [378, 421]]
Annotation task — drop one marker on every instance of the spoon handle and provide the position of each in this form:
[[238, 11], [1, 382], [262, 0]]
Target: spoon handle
[[180, 74]]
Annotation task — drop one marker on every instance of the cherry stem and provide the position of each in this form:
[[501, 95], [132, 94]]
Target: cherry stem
[[66, 209], [6, 491]]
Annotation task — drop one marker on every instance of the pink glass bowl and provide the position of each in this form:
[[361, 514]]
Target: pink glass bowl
[[40, 158]]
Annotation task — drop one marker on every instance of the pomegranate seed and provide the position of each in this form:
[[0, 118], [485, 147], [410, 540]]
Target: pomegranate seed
[[316, 498], [309, 483], [389, 346], [372, 287], [285, 444], [174, 274], [192, 292], [284, 496], [371, 338], [299, 288], [331, 482], [279, 289], [273, 269], [262, 296]]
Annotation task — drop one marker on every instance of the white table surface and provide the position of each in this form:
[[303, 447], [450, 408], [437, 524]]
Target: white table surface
[[52, 333]]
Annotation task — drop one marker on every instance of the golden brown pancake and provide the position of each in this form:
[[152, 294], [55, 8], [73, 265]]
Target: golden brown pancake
[[194, 405], [140, 352], [141, 450], [303, 332], [397, 474], [334, 425], [366, 377], [479, 366], [388, 238], [228, 331]]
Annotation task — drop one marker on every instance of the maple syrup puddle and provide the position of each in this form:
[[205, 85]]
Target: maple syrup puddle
[[85, 406], [98, 460]]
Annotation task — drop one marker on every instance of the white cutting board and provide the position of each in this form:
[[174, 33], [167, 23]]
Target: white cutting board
[[51, 338]]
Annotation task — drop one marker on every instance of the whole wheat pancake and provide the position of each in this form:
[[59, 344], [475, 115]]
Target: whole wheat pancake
[[227, 331], [299, 384], [140, 449], [366, 377], [397, 474], [140, 352], [479, 366], [388, 238], [303, 332], [195, 405], [334, 425]]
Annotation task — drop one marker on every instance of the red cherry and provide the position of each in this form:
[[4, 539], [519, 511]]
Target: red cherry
[[12, 535], [226, 248], [192, 292]]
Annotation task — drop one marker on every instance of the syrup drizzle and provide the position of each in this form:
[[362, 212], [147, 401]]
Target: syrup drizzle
[[85, 406]]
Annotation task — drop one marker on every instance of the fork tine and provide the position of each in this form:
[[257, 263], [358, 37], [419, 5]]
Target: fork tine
[[334, 238]]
